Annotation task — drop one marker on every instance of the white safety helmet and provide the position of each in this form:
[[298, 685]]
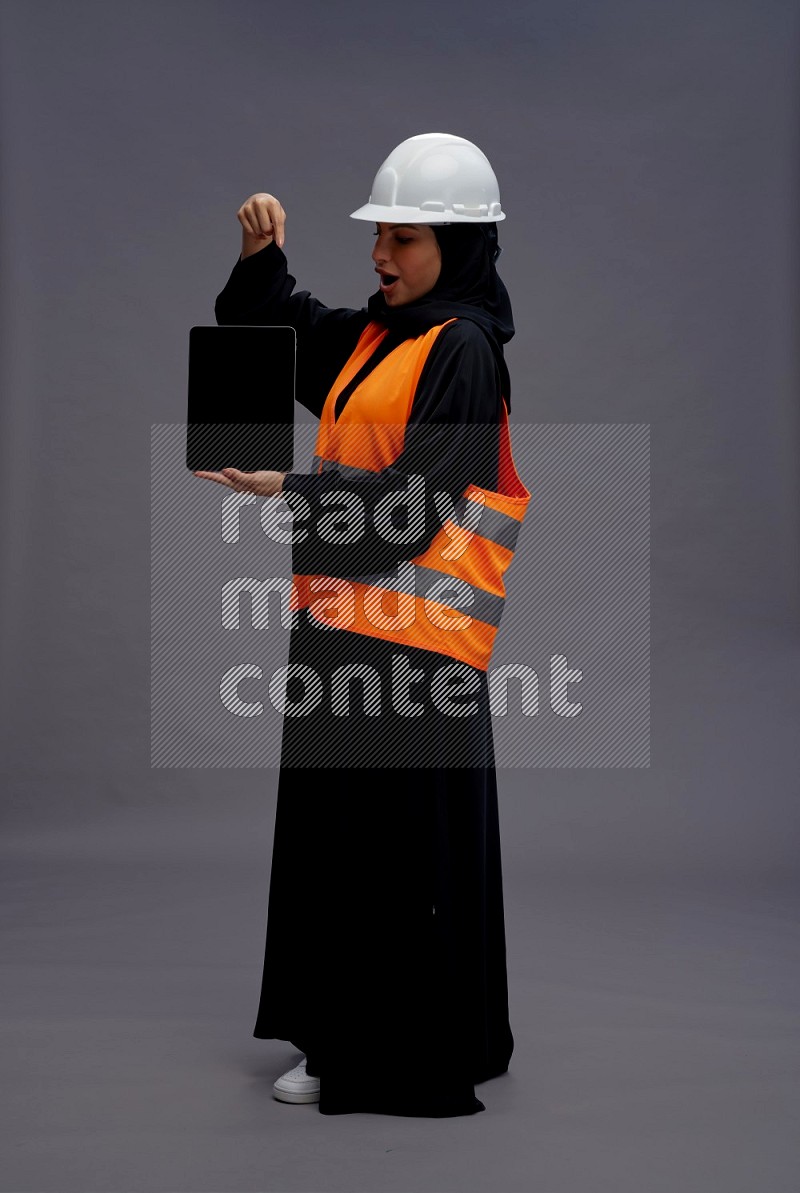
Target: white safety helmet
[[434, 178]]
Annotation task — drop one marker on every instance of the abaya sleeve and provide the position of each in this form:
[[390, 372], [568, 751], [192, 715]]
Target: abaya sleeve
[[259, 291], [451, 439]]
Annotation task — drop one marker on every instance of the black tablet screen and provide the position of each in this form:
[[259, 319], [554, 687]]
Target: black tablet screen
[[241, 398]]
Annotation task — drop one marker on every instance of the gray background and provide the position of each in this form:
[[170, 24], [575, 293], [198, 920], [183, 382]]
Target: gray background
[[646, 155]]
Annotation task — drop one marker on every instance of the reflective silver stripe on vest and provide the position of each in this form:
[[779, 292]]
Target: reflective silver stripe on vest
[[490, 524], [484, 606]]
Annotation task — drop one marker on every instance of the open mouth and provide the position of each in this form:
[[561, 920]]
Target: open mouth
[[388, 280]]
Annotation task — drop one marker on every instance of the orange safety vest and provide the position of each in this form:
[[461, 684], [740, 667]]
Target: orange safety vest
[[455, 599]]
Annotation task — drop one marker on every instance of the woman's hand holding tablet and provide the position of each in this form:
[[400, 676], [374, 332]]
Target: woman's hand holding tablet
[[262, 483]]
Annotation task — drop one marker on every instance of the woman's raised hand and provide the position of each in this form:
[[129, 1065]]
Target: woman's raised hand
[[263, 220]]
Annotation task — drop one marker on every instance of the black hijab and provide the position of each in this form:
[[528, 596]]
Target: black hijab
[[468, 287]]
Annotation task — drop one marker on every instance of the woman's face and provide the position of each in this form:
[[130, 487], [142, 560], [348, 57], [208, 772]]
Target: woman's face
[[409, 254]]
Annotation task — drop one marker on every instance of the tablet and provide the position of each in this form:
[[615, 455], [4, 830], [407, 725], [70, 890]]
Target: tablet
[[241, 398]]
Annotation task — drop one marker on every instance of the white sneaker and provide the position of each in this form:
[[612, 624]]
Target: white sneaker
[[296, 1085]]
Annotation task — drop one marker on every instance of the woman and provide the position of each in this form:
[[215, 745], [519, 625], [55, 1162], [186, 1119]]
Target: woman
[[385, 959]]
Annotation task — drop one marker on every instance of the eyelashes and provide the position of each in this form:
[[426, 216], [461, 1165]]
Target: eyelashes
[[400, 239]]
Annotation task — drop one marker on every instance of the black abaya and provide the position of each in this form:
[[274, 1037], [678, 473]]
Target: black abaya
[[385, 953]]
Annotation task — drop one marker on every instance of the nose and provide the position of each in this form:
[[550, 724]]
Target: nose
[[378, 253]]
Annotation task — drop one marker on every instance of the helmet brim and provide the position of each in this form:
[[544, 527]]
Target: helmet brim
[[413, 215]]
